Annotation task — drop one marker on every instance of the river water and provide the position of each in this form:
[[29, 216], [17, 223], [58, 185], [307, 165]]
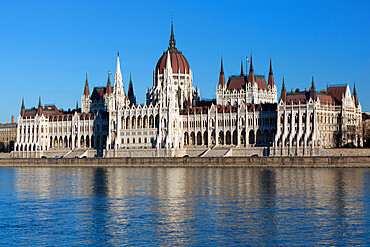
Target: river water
[[184, 207]]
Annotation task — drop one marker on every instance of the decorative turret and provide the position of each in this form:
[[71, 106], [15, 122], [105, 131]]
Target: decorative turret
[[109, 87], [23, 109], [271, 76], [86, 89], [241, 69], [251, 73], [221, 81], [283, 92], [355, 95], [130, 93], [39, 108]]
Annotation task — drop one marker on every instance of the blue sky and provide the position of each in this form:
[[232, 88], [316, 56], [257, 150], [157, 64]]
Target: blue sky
[[46, 47]]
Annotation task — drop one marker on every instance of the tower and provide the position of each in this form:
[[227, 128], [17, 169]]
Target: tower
[[120, 97], [85, 99], [181, 74]]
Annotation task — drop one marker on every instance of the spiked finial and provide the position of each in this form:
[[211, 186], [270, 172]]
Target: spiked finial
[[39, 108], [241, 69], [118, 67], [222, 66], [23, 109], [283, 92], [251, 66], [251, 73], [86, 89], [109, 87], [221, 81], [312, 85], [172, 37], [270, 73], [108, 80], [271, 76], [130, 93], [355, 94]]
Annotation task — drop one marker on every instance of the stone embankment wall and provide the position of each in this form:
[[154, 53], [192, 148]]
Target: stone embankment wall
[[319, 162], [349, 151]]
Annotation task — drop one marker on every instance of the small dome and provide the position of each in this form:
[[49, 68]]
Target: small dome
[[178, 61]]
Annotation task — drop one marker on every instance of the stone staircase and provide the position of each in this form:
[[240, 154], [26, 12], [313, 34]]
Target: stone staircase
[[77, 153], [217, 152]]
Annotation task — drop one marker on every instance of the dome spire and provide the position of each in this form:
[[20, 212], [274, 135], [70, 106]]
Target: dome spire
[[172, 37]]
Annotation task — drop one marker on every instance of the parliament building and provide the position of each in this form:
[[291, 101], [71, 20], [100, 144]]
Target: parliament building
[[246, 118]]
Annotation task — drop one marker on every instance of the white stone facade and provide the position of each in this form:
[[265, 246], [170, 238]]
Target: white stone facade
[[245, 114]]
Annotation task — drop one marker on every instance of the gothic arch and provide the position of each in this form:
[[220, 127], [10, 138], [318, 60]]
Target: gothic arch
[[221, 138], [199, 138]]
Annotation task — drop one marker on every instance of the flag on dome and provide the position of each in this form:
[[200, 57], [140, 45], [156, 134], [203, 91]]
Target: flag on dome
[[247, 59]]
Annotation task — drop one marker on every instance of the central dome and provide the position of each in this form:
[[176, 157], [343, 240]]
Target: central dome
[[178, 61]]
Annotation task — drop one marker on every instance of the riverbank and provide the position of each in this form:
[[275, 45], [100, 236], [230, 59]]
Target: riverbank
[[293, 162]]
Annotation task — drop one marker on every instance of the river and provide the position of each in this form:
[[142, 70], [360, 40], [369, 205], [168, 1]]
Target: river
[[184, 206]]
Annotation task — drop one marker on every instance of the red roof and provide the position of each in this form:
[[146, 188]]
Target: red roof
[[178, 61], [98, 93], [239, 82], [337, 93]]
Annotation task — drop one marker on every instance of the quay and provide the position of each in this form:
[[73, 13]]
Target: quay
[[266, 162]]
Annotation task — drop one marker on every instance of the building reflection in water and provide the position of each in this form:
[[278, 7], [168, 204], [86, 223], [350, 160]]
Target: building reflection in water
[[195, 206]]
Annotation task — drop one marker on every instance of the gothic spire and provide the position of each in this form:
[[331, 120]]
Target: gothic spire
[[251, 66], [76, 105], [130, 93], [283, 92], [39, 108], [251, 73], [241, 69], [172, 37], [355, 94], [109, 87], [221, 81], [86, 89], [118, 70], [23, 109], [271, 76], [312, 85], [270, 72]]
